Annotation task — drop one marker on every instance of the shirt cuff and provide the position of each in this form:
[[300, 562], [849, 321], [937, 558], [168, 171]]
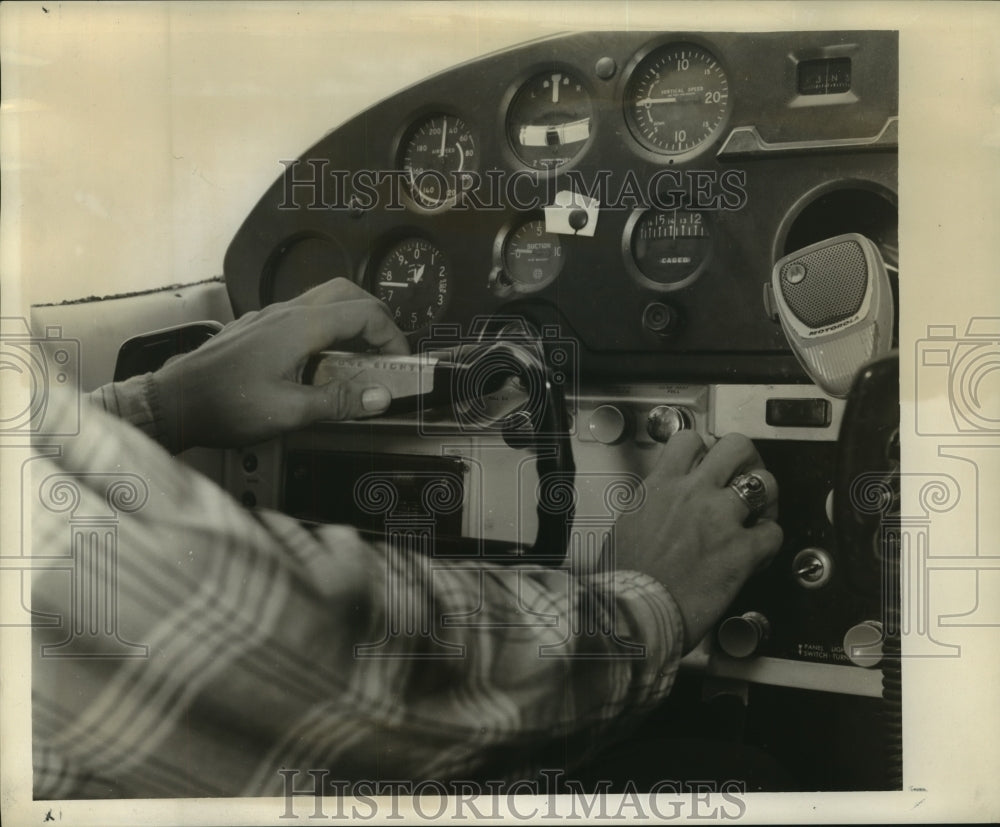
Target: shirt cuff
[[647, 614], [137, 402]]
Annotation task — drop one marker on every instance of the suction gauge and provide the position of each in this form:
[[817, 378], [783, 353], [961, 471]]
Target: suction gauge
[[676, 99], [532, 258], [550, 119]]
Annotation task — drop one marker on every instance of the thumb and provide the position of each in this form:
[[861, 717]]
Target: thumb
[[343, 400]]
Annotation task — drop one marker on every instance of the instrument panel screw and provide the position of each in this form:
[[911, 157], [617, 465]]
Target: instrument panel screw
[[605, 68]]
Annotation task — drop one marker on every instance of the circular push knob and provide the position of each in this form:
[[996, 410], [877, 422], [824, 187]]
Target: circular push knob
[[607, 424], [742, 636], [605, 68], [666, 420], [863, 643], [578, 219], [659, 318]]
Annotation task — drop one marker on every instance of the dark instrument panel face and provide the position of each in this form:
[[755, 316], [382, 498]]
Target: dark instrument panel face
[[700, 151], [629, 192]]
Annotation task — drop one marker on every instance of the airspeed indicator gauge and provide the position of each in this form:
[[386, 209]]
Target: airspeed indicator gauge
[[437, 150]]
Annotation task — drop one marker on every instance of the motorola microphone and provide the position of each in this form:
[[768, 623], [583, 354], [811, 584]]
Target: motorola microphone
[[835, 305]]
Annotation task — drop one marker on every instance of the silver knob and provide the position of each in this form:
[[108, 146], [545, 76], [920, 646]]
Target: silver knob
[[607, 424], [813, 567], [863, 643], [666, 420]]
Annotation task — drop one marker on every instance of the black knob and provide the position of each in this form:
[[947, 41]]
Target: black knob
[[659, 318], [578, 219], [741, 637]]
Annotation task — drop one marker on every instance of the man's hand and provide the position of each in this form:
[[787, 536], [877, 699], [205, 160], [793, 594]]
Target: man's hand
[[242, 385], [691, 532]]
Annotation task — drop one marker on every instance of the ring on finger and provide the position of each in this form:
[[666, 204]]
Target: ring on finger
[[751, 488]]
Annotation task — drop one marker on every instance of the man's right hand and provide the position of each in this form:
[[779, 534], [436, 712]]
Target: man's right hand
[[691, 533]]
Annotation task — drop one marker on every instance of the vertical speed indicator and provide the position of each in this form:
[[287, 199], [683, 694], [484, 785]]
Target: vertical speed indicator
[[676, 99]]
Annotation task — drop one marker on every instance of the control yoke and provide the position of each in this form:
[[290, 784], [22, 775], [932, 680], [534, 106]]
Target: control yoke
[[494, 386]]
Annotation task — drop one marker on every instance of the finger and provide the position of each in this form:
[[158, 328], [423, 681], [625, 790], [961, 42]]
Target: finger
[[317, 328], [335, 290], [338, 401], [739, 510], [329, 292], [681, 454], [731, 455]]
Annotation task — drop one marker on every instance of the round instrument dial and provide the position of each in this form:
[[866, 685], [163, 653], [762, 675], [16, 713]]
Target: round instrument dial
[[676, 98], [412, 280], [436, 151], [532, 257], [669, 247], [550, 119]]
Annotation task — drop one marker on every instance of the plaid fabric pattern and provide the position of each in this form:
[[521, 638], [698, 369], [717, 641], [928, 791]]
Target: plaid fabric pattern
[[261, 644]]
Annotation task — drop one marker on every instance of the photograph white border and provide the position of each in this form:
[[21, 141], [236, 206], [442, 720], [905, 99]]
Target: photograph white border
[[949, 198]]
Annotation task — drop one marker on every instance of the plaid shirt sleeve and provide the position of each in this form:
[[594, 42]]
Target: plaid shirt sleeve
[[192, 648]]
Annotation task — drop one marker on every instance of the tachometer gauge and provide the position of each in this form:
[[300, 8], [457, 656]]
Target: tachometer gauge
[[436, 151], [677, 97], [550, 119], [667, 249], [412, 279], [532, 258]]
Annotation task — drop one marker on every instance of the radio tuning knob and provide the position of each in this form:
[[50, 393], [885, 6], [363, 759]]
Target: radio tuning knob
[[666, 420], [741, 637], [863, 643], [607, 424]]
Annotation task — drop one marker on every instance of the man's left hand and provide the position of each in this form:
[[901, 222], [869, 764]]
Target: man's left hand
[[242, 386]]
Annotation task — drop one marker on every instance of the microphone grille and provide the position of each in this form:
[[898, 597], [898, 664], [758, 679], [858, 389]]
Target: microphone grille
[[826, 285]]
